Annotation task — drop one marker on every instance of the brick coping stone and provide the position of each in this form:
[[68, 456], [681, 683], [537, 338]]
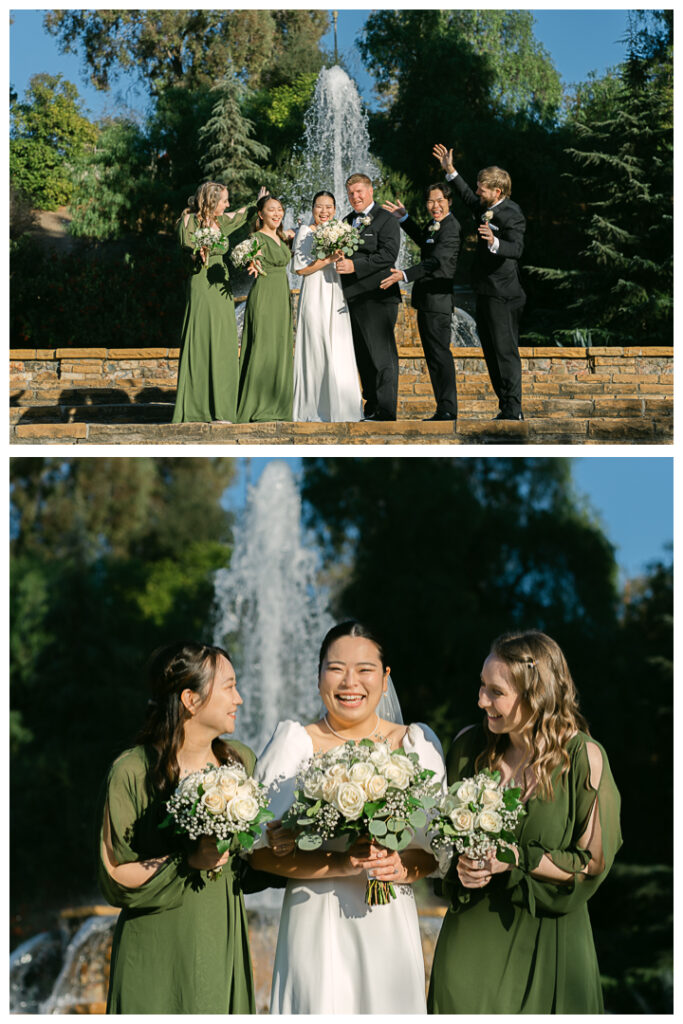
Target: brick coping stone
[[406, 351]]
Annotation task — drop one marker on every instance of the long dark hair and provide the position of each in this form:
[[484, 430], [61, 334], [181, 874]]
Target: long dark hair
[[259, 206], [170, 670], [349, 628], [323, 192]]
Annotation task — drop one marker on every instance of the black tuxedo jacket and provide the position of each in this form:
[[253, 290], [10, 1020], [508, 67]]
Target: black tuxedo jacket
[[375, 258], [433, 275], [496, 274]]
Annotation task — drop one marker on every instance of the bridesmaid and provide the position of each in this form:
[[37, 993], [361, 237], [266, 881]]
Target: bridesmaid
[[180, 944], [208, 371], [267, 355], [518, 938]]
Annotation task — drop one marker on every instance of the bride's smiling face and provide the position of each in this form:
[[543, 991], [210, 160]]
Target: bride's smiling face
[[323, 210], [352, 681]]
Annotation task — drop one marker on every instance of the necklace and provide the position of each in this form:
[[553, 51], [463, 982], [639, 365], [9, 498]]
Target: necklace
[[374, 732]]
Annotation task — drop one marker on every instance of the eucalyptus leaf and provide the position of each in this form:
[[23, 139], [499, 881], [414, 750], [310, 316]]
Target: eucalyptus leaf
[[309, 843], [390, 841], [377, 828], [396, 824], [418, 819]]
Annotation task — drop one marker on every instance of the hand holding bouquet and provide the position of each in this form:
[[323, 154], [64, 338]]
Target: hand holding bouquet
[[362, 789], [335, 236], [248, 252], [209, 240], [477, 817], [221, 803]]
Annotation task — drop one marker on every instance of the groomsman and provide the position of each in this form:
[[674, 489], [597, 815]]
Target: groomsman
[[495, 277], [373, 311], [432, 295]]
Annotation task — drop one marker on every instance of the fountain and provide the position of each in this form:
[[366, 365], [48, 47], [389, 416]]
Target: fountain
[[270, 612]]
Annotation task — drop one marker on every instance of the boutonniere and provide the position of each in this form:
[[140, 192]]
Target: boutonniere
[[365, 221], [486, 216], [434, 227]]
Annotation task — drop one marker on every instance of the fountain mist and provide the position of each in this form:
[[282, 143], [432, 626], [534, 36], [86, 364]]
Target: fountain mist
[[270, 612]]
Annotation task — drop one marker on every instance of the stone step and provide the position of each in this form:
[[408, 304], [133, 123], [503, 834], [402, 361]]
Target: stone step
[[409, 408], [537, 430]]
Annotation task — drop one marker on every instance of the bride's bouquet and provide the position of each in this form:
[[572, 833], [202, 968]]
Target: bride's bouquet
[[248, 250], [221, 802], [359, 789], [476, 816], [212, 239], [333, 236]]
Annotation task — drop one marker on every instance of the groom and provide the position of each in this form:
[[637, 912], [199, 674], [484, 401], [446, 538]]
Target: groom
[[373, 311]]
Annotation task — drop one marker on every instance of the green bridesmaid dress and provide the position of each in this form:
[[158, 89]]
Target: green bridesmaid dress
[[267, 355], [522, 945], [208, 372], [181, 942]]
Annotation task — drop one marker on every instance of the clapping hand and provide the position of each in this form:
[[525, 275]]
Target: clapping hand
[[394, 277], [444, 156], [263, 191], [397, 208]]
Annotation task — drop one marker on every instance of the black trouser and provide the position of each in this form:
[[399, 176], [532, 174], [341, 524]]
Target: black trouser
[[372, 324], [435, 335], [498, 329]]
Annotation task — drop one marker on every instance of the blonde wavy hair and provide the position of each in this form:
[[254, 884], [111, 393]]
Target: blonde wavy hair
[[204, 202], [539, 672]]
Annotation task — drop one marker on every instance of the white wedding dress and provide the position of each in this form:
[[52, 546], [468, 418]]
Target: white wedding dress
[[326, 387], [335, 954]]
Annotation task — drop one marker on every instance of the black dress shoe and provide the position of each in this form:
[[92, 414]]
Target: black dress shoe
[[509, 416], [440, 416]]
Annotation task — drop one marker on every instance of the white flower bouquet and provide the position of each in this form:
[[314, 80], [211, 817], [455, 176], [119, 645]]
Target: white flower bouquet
[[248, 250], [335, 235], [362, 789], [212, 239], [221, 802], [476, 816]]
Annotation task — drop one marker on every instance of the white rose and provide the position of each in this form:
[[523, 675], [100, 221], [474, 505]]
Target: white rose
[[243, 807], [376, 787], [491, 799], [329, 788], [490, 821], [209, 780], [228, 785], [350, 800], [213, 800], [462, 818], [396, 774], [380, 755], [404, 761], [313, 785], [467, 792], [337, 771], [361, 772]]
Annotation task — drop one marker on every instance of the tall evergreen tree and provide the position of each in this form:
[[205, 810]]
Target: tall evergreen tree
[[230, 151], [621, 285]]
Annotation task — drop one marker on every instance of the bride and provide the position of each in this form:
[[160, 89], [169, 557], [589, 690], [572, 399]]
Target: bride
[[326, 387], [336, 954]]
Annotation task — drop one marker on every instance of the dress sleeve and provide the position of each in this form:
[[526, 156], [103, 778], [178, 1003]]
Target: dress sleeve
[[230, 224], [124, 803], [421, 740], [278, 767], [184, 234], [302, 248], [589, 851]]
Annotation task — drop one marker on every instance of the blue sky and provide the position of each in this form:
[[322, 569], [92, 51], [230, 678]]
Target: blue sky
[[579, 41], [631, 496]]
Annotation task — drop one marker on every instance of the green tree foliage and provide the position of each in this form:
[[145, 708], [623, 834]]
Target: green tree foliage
[[229, 153], [447, 553], [279, 114], [192, 48], [48, 134], [457, 75], [106, 200], [109, 558], [620, 288]]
